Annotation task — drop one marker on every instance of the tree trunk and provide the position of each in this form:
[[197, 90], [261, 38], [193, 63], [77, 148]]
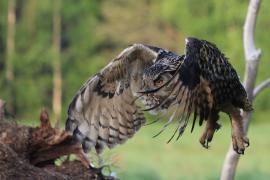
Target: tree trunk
[[10, 52], [2, 109], [252, 56], [30, 11], [57, 79]]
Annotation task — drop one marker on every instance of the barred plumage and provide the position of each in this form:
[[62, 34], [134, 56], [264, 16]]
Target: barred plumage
[[202, 82], [104, 112]]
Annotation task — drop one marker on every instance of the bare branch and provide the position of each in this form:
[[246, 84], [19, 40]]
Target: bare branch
[[252, 56], [251, 53], [260, 87]]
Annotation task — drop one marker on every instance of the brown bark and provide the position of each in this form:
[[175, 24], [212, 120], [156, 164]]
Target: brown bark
[[14, 167], [29, 153], [57, 79]]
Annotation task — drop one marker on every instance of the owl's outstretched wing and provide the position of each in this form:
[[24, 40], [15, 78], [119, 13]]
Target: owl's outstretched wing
[[103, 112]]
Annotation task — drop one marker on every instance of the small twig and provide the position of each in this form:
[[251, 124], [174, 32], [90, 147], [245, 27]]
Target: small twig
[[260, 87]]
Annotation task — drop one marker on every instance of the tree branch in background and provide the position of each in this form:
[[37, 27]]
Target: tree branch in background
[[57, 78], [261, 87], [252, 56]]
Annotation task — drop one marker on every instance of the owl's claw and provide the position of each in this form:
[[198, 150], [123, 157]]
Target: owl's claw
[[239, 143], [239, 140], [206, 138], [95, 169], [208, 134], [98, 173]]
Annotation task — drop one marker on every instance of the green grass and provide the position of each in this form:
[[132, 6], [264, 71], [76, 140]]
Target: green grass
[[144, 157]]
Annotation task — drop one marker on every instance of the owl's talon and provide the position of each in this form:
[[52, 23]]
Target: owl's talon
[[208, 134], [240, 143], [246, 140], [204, 140], [95, 170], [99, 174]]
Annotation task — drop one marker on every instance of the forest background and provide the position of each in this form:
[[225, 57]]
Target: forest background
[[48, 49]]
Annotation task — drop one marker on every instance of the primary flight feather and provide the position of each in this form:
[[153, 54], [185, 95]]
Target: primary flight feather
[[105, 111]]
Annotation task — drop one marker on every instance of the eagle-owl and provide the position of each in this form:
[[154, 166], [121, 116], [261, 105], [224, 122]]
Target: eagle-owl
[[105, 111]]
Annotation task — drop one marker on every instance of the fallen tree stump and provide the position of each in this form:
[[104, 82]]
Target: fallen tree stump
[[14, 167], [30, 153]]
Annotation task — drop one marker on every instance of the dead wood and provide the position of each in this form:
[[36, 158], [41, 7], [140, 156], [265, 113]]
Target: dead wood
[[30, 153]]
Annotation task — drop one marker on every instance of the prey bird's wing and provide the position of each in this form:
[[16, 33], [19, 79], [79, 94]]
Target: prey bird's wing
[[103, 112]]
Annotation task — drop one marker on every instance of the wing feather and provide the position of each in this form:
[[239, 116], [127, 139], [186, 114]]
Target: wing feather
[[207, 82], [103, 112]]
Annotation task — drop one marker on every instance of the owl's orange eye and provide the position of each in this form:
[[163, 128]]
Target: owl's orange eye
[[158, 82]]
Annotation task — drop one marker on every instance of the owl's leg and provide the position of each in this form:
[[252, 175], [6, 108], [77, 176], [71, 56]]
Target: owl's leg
[[84, 158], [239, 140], [97, 171], [211, 127]]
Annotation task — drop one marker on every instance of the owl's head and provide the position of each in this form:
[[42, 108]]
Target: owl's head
[[158, 79], [162, 71], [156, 75]]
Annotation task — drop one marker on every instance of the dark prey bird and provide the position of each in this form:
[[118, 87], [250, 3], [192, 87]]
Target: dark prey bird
[[106, 112]]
